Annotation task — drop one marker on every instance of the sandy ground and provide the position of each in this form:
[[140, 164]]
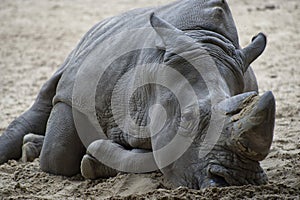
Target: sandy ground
[[36, 36]]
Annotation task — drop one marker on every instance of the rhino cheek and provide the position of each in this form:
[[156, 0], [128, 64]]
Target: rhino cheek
[[182, 173]]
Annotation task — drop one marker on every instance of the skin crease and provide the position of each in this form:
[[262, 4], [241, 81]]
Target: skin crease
[[226, 164], [215, 15]]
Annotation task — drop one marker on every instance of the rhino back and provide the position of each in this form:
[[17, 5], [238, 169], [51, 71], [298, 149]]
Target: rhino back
[[94, 37], [185, 15], [87, 49]]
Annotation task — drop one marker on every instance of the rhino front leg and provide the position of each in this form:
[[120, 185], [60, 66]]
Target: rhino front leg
[[120, 159], [34, 120], [62, 150], [32, 146]]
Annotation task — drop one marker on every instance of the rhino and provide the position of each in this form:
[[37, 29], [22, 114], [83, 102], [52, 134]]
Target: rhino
[[164, 89]]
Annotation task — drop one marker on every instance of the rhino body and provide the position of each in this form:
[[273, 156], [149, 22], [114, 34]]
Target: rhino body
[[179, 36]]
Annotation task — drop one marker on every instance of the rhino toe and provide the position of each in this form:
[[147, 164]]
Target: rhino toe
[[32, 146]]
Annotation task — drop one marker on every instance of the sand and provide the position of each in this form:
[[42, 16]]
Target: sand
[[36, 36]]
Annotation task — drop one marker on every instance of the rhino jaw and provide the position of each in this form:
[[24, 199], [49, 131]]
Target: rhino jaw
[[253, 126]]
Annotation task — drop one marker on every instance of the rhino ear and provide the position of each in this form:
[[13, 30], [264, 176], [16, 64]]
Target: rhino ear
[[168, 33], [173, 40], [253, 50]]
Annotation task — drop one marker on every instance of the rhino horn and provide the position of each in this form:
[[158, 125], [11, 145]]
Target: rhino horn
[[253, 50], [236, 103], [252, 130]]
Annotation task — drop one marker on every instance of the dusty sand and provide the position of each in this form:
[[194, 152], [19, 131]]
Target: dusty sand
[[36, 36]]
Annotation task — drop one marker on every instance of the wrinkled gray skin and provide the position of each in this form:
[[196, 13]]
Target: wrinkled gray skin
[[249, 119]]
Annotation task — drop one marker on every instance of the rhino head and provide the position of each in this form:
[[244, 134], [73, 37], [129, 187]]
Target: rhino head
[[247, 119], [245, 140]]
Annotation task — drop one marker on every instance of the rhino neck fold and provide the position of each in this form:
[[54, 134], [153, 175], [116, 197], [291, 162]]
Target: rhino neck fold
[[201, 15], [225, 55]]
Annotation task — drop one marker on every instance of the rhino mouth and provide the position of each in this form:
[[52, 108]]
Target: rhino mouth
[[234, 172], [220, 176]]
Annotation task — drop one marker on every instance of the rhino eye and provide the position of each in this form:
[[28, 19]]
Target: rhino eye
[[188, 117]]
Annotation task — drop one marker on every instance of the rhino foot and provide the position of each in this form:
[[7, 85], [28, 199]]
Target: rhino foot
[[93, 169], [32, 146]]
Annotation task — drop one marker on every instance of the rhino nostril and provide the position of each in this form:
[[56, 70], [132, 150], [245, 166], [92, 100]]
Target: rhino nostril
[[218, 181], [216, 176]]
